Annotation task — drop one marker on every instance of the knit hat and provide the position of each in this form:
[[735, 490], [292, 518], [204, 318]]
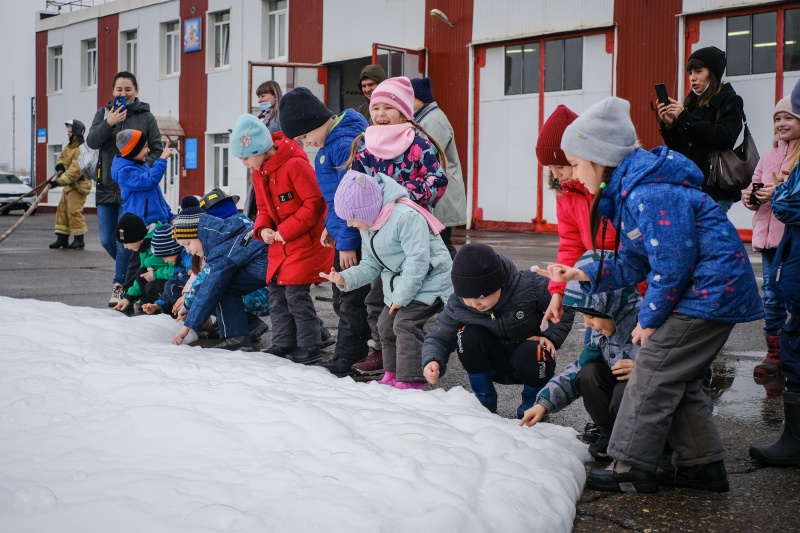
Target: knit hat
[[358, 197], [301, 112], [477, 271], [396, 92], [249, 137], [422, 89], [548, 145], [130, 228], [163, 243], [186, 223], [714, 59], [784, 105], [190, 201], [217, 203], [373, 72], [130, 143], [603, 134]]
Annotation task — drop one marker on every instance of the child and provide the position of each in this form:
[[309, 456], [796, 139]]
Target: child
[[291, 211], [493, 322], [700, 283], [166, 247], [603, 368], [400, 243], [69, 214], [238, 266], [138, 183], [305, 119], [147, 274], [768, 230]]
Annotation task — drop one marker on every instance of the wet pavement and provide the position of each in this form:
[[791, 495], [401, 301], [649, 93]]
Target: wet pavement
[[761, 499]]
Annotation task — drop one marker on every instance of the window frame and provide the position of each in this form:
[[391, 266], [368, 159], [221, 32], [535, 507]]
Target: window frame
[[89, 64], [131, 50], [221, 146], [56, 69], [220, 30], [171, 56], [540, 52], [55, 153], [280, 38], [752, 61]]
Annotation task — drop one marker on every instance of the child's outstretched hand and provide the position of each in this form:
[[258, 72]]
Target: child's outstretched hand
[[122, 305], [167, 152], [334, 277], [554, 311], [178, 338], [561, 273], [533, 415], [178, 305], [623, 369], [150, 308], [431, 372]]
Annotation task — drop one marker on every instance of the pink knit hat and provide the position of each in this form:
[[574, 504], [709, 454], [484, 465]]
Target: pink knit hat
[[785, 105], [358, 197], [396, 92]]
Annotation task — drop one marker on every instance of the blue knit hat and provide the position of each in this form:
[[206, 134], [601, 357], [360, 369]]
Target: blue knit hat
[[249, 137], [422, 89], [163, 243]]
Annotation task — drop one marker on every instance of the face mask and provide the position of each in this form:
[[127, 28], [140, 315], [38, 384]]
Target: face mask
[[265, 106]]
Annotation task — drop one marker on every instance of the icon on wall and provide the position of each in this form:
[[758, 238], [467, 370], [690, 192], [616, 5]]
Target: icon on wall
[[191, 35]]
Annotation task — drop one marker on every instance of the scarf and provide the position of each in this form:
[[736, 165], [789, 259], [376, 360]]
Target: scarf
[[386, 212], [390, 141]]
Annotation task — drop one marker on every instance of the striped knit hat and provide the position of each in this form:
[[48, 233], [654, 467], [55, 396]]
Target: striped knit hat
[[395, 92], [163, 243], [186, 223], [130, 143]]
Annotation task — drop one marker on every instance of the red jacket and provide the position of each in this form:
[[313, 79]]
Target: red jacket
[[290, 202], [572, 211]]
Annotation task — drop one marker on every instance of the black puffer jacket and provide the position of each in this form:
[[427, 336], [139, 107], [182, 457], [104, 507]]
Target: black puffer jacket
[[517, 316], [697, 132], [104, 138]]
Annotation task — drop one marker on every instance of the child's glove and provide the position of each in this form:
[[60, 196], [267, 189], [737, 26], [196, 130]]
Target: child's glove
[[546, 365]]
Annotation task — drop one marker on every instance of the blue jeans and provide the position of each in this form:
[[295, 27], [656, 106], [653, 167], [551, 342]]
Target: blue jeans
[[774, 306], [107, 217], [725, 205]]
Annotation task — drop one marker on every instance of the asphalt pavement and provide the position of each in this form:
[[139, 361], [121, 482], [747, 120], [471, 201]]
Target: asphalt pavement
[[761, 499]]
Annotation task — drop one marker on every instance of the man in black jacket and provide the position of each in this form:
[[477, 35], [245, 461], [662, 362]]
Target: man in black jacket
[[492, 321]]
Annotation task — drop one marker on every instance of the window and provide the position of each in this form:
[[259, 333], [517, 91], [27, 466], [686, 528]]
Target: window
[[55, 153], [221, 160], [131, 47], [563, 65], [751, 44], [791, 44], [172, 48], [522, 69], [56, 69], [222, 38], [89, 64], [277, 29]]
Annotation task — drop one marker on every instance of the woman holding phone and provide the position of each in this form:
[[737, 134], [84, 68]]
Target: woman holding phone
[[123, 111], [709, 119]]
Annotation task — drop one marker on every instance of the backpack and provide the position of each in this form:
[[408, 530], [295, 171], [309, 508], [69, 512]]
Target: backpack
[[89, 162]]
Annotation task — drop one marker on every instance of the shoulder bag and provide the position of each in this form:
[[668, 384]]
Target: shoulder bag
[[732, 170]]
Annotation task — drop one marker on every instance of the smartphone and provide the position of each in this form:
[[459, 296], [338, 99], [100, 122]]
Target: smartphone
[[753, 198], [661, 94], [120, 103]]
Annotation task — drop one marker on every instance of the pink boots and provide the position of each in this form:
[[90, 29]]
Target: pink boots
[[390, 378]]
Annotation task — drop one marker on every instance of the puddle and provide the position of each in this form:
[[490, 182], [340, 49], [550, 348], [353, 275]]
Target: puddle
[[735, 394]]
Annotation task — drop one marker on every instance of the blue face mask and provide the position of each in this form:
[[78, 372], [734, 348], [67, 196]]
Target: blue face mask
[[265, 106]]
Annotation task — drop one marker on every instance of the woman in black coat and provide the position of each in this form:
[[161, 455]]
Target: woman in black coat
[[709, 119]]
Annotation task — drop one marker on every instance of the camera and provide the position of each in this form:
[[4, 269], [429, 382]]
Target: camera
[[753, 198]]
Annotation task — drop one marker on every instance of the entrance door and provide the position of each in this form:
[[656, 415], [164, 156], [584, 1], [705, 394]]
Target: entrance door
[[171, 183], [398, 61]]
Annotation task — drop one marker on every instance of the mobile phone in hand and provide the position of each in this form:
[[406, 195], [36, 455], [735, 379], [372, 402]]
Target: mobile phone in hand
[[753, 198], [120, 103], [661, 94]]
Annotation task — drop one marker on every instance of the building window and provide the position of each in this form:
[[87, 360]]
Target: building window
[[563, 65], [221, 160], [277, 29], [751, 44], [172, 47], [131, 51], [55, 153], [791, 45], [90, 64], [522, 69], [222, 38], [56, 69]]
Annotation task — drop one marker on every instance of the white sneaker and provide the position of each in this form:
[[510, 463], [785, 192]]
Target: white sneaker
[[116, 295]]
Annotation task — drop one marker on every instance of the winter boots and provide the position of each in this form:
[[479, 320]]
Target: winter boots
[[528, 399], [786, 450], [483, 387], [389, 378], [77, 243], [772, 363], [372, 364], [711, 477], [62, 241]]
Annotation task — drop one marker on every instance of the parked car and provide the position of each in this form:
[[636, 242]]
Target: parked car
[[11, 187]]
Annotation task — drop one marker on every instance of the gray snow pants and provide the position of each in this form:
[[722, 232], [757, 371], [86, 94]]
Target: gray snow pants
[[402, 336], [294, 319]]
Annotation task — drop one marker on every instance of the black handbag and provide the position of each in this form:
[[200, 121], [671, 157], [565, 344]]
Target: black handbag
[[732, 170]]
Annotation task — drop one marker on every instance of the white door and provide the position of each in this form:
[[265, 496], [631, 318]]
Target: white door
[[171, 183]]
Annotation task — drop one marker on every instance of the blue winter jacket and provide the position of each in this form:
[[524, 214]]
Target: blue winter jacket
[[349, 125], [140, 186], [675, 236], [229, 246]]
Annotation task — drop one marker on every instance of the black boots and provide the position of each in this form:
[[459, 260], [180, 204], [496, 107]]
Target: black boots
[[62, 241], [786, 450], [711, 477], [77, 243]]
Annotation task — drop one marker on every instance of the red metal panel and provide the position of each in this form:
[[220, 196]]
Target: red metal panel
[[193, 90], [107, 52], [448, 65], [305, 31], [41, 105], [647, 54]]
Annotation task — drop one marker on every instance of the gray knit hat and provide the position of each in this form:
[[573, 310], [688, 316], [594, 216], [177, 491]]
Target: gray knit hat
[[603, 133]]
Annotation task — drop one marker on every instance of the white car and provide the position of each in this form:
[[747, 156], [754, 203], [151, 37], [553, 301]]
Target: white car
[[11, 187]]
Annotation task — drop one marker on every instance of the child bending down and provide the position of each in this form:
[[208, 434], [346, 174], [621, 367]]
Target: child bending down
[[167, 248], [401, 244]]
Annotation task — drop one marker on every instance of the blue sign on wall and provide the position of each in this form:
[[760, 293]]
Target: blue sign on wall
[[190, 152], [41, 135]]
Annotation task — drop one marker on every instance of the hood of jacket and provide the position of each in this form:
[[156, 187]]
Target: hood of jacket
[[287, 149], [213, 231], [351, 125], [373, 72], [390, 189]]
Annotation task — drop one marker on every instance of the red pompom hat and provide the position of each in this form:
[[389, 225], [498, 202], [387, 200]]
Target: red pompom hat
[[548, 146]]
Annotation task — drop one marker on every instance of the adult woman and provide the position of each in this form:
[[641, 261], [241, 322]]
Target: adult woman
[[269, 96], [108, 121], [709, 119]]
